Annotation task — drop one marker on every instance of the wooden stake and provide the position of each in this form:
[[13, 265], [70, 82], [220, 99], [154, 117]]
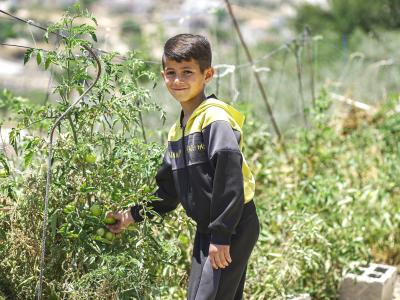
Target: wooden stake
[[258, 80]]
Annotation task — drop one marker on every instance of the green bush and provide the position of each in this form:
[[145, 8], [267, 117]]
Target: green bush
[[335, 203]]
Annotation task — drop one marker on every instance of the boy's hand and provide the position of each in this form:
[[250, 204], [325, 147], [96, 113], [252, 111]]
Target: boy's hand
[[219, 256], [123, 218]]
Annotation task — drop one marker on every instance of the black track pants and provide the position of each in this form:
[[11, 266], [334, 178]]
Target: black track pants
[[206, 283]]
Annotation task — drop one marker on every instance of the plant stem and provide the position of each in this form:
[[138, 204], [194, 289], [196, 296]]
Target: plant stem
[[142, 126], [73, 129]]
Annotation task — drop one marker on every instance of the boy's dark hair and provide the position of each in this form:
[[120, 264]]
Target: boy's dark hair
[[184, 47]]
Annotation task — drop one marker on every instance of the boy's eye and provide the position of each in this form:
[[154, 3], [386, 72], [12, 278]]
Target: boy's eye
[[170, 73], [187, 72]]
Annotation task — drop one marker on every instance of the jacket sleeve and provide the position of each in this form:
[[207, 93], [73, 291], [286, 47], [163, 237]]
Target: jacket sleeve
[[166, 192], [227, 201]]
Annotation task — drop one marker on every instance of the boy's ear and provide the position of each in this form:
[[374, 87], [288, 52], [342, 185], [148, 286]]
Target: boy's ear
[[209, 74], [162, 74]]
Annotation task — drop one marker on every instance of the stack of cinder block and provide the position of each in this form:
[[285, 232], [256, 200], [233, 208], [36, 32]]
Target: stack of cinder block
[[372, 282]]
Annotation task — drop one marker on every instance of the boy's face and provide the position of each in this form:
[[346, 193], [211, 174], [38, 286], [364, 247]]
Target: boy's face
[[184, 80]]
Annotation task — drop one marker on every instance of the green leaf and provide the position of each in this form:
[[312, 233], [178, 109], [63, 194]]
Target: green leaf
[[3, 162], [94, 20], [94, 37], [28, 158], [39, 57], [47, 63], [88, 189], [28, 55], [13, 136]]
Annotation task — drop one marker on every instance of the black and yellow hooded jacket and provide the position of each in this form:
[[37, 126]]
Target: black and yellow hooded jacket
[[204, 169]]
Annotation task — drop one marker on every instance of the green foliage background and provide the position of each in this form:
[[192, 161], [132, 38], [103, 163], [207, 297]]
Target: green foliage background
[[345, 17]]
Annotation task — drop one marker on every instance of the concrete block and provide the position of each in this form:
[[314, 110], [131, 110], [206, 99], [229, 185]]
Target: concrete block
[[373, 282], [302, 297], [297, 297]]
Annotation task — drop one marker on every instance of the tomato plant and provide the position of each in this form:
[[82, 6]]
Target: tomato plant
[[101, 162]]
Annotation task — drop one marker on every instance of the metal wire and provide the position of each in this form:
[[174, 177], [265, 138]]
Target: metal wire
[[23, 47], [34, 24]]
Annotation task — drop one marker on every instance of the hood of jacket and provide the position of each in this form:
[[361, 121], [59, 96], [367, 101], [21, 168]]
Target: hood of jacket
[[237, 116], [211, 101]]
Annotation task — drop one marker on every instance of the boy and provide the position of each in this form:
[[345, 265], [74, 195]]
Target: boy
[[204, 170]]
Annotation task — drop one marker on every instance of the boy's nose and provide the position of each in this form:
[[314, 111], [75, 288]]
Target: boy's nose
[[178, 79]]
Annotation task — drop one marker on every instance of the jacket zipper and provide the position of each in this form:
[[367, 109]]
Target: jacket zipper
[[189, 188]]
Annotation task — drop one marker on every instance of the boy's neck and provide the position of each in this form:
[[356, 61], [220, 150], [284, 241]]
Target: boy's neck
[[188, 107]]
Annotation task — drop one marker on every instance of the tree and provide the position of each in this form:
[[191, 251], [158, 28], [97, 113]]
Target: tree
[[345, 16]]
